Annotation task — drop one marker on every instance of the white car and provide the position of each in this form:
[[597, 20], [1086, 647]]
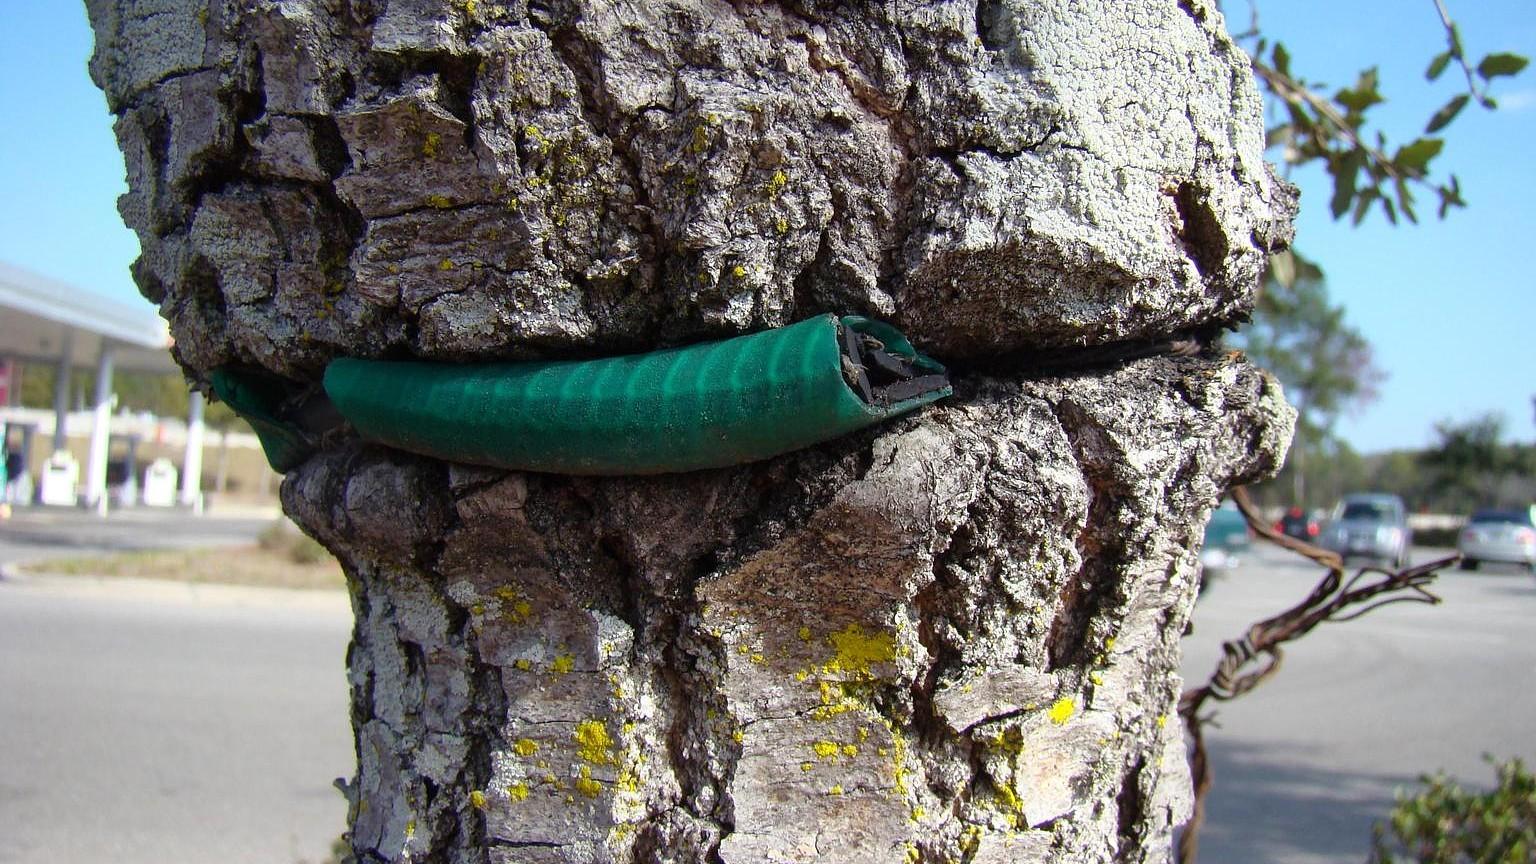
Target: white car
[[1508, 536], [1370, 525]]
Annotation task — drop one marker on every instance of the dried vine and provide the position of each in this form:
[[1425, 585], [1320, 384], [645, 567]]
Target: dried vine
[[1247, 662]]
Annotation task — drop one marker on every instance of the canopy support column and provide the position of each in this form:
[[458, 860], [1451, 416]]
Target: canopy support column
[[101, 432], [61, 391], [192, 462]]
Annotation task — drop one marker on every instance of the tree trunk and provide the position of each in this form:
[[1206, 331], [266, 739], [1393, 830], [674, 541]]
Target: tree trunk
[[952, 638]]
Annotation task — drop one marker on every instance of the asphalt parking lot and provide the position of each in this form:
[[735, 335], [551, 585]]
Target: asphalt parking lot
[[1308, 761], [151, 722], [162, 722]]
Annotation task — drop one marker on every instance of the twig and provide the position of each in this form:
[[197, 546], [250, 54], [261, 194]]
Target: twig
[[1454, 43], [1333, 599], [1287, 89]]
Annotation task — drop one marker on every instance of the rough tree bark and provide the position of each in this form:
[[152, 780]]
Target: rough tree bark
[[954, 638]]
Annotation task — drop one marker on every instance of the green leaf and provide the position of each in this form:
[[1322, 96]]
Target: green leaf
[[1363, 203], [1299, 118], [1391, 209], [1362, 96], [1414, 158], [1450, 196], [1494, 65], [1446, 114], [1282, 59], [1456, 50], [1437, 65], [1405, 201], [1344, 176]]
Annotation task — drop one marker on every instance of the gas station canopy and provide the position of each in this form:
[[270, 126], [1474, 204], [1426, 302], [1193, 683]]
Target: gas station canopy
[[41, 318], [46, 321]]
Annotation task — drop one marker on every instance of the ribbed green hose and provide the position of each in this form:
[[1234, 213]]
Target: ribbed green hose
[[683, 409], [256, 398]]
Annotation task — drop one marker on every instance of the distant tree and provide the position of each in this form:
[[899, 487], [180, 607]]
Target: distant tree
[[1325, 364], [1400, 473], [1469, 467], [164, 394]]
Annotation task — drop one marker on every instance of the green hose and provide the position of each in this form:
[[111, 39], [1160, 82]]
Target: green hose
[[683, 409], [259, 399]]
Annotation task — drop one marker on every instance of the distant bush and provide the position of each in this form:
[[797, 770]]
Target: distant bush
[[282, 538], [1444, 824]]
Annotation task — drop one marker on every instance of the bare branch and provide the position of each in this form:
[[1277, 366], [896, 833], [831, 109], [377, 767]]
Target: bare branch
[[1333, 599]]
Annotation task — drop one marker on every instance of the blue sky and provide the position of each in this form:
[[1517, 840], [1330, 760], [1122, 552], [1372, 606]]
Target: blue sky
[[1448, 306]]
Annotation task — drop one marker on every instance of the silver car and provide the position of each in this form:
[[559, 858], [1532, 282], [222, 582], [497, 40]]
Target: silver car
[[1370, 525], [1498, 535]]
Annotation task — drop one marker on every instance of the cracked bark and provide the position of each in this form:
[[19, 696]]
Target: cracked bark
[[953, 638]]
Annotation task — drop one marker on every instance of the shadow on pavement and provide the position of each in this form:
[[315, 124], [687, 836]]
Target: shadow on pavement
[[1265, 809], [34, 532]]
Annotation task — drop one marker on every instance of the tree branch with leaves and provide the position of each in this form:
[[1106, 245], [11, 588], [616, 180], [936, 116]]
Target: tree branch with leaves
[[1336, 129]]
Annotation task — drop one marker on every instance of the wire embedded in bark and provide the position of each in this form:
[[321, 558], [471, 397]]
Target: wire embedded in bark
[[1248, 661]]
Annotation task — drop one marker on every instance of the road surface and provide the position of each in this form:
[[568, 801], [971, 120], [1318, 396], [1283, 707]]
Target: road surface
[[164, 723], [161, 723], [1307, 762]]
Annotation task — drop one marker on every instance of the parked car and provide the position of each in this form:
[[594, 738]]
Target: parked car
[[1297, 523], [1369, 525], [1226, 535], [1498, 535]]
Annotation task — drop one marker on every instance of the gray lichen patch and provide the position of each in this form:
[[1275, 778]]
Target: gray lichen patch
[[409, 153]]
